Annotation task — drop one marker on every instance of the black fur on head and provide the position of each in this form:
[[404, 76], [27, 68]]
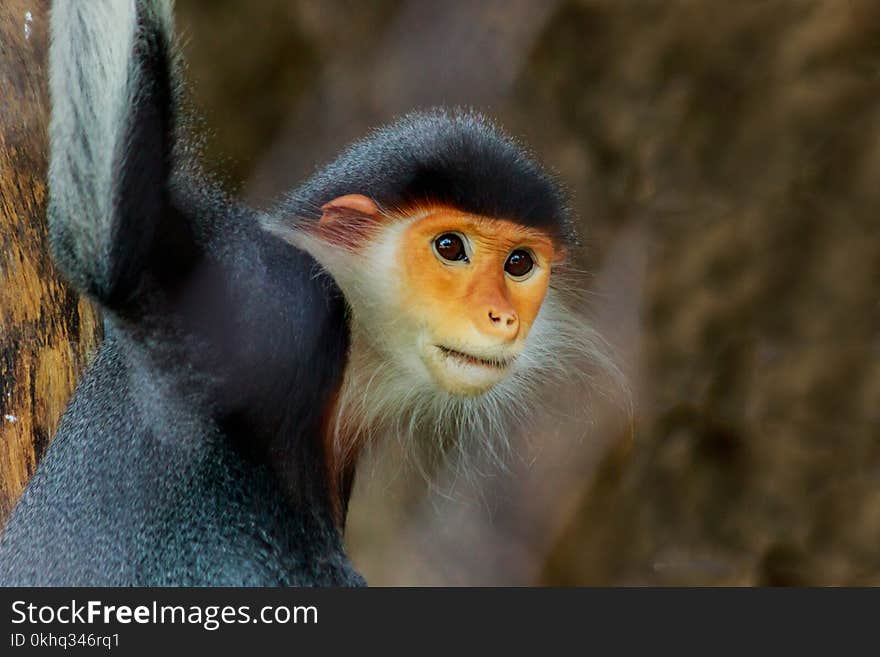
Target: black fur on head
[[452, 157]]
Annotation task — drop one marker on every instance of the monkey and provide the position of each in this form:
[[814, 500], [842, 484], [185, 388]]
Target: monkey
[[453, 260], [414, 285]]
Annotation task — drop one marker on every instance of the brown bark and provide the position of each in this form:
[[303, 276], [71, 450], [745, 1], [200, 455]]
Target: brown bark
[[46, 330]]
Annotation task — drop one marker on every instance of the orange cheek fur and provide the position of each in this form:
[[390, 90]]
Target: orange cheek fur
[[453, 300]]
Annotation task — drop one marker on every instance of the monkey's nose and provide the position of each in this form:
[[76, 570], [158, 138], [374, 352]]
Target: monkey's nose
[[503, 323]]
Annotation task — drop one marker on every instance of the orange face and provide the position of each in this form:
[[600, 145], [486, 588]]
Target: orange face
[[444, 292], [475, 285]]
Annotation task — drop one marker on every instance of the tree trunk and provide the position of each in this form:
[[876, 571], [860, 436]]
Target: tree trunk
[[46, 331]]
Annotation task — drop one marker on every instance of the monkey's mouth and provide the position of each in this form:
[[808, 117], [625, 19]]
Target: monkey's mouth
[[462, 373], [470, 359]]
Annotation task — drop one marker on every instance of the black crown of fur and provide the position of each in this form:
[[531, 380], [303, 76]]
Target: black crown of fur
[[454, 157]]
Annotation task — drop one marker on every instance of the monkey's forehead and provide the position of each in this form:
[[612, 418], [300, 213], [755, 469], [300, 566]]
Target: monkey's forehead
[[433, 218]]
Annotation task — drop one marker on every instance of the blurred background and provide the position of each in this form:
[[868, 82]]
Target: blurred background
[[724, 160]]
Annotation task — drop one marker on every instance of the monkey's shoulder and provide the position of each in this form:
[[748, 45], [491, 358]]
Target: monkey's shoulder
[[126, 496]]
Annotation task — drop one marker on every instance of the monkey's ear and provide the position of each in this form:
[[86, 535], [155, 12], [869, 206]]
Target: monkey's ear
[[344, 207], [346, 220]]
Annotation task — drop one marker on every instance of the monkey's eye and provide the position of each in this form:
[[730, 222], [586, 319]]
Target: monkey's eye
[[450, 246], [519, 263]]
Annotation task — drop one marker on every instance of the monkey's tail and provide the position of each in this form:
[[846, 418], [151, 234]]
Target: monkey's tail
[[114, 108]]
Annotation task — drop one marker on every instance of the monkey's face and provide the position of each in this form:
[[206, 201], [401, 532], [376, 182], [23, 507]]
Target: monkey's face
[[444, 297], [470, 289]]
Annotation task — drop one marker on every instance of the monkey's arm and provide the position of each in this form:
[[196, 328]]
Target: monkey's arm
[[111, 139]]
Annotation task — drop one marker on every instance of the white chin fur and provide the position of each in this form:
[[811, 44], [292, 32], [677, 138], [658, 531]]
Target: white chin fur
[[430, 400], [459, 374], [436, 402]]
